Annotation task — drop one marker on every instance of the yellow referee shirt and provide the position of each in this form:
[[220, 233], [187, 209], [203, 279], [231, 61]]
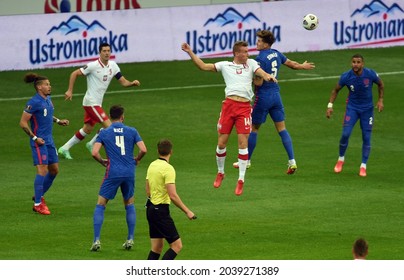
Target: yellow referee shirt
[[160, 173]]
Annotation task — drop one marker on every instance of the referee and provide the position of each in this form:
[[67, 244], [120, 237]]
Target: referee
[[161, 190]]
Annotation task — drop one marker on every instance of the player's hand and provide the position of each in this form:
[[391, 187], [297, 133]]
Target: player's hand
[[380, 105], [191, 215], [68, 95], [329, 112], [135, 83], [185, 47], [63, 122], [39, 141], [308, 65]]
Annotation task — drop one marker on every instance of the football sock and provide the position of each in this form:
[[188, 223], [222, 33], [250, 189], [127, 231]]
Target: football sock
[[252, 142], [170, 254], [287, 143], [77, 137], [341, 158], [242, 163], [98, 219], [130, 220], [366, 145], [92, 141], [38, 188], [47, 183], [220, 159], [153, 256]]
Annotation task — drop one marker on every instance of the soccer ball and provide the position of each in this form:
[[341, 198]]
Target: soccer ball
[[310, 21]]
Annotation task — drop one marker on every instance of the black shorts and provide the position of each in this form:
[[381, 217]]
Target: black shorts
[[161, 225]]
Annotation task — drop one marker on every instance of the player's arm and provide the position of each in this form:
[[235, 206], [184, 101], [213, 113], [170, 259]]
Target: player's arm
[[25, 117], [96, 154], [124, 82], [63, 122], [258, 81], [175, 198], [197, 61], [147, 188], [380, 105], [72, 81], [299, 66], [142, 151], [267, 77], [334, 94]]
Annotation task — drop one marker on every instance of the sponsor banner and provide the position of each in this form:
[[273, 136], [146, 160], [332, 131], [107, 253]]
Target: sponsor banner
[[138, 35], [21, 7]]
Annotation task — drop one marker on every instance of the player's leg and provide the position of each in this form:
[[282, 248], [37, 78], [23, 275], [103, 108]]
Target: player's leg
[[40, 158], [366, 123], [156, 248], [89, 144], [127, 188], [243, 127], [53, 168], [224, 128], [220, 158], [350, 119], [277, 113], [107, 191]]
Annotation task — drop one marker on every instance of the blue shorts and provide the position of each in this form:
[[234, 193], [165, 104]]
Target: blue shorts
[[110, 186], [365, 118], [44, 154], [268, 104]]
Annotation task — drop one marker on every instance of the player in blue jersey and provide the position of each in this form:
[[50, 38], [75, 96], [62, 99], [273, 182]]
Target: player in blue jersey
[[359, 106], [119, 142], [267, 96], [37, 122]]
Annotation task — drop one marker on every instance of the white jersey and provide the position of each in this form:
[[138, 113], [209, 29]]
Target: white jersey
[[99, 77], [238, 77]]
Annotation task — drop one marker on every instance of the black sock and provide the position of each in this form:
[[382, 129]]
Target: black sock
[[153, 256], [169, 255]]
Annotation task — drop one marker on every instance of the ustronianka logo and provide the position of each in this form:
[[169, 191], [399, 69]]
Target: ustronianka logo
[[221, 32], [79, 43], [373, 24]]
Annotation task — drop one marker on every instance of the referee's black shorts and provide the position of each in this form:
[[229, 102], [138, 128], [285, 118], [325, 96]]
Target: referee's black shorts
[[161, 225]]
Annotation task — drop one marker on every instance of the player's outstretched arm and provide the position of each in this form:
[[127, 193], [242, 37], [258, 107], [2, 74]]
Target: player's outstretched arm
[[72, 81], [299, 66], [197, 61]]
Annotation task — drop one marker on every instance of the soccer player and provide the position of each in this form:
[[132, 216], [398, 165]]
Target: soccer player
[[37, 122], [268, 100], [360, 249], [99, 74], [119, 143], [236, 108], [359, 106], [161, 190]]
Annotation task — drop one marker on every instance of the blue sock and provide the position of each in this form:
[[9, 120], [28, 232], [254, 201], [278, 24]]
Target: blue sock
[[131, 220], [252, 142], [287, 143], [38, 187], [366, 145], [98, 219], [47, 183]]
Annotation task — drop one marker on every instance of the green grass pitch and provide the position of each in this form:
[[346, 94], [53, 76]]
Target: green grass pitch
[[312, 215]]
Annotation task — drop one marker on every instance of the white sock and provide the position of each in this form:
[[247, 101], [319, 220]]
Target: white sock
[[220, 160]]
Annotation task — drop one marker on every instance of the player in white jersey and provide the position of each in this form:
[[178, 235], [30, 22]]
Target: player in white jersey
[[236, 108], [99, 74]]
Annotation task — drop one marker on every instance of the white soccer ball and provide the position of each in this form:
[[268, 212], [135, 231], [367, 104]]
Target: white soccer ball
[[310, 21]]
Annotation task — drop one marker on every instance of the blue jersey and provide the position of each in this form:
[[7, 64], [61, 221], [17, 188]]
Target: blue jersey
[[119, 142], [360, 88], [270, 61], [41, 120]]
